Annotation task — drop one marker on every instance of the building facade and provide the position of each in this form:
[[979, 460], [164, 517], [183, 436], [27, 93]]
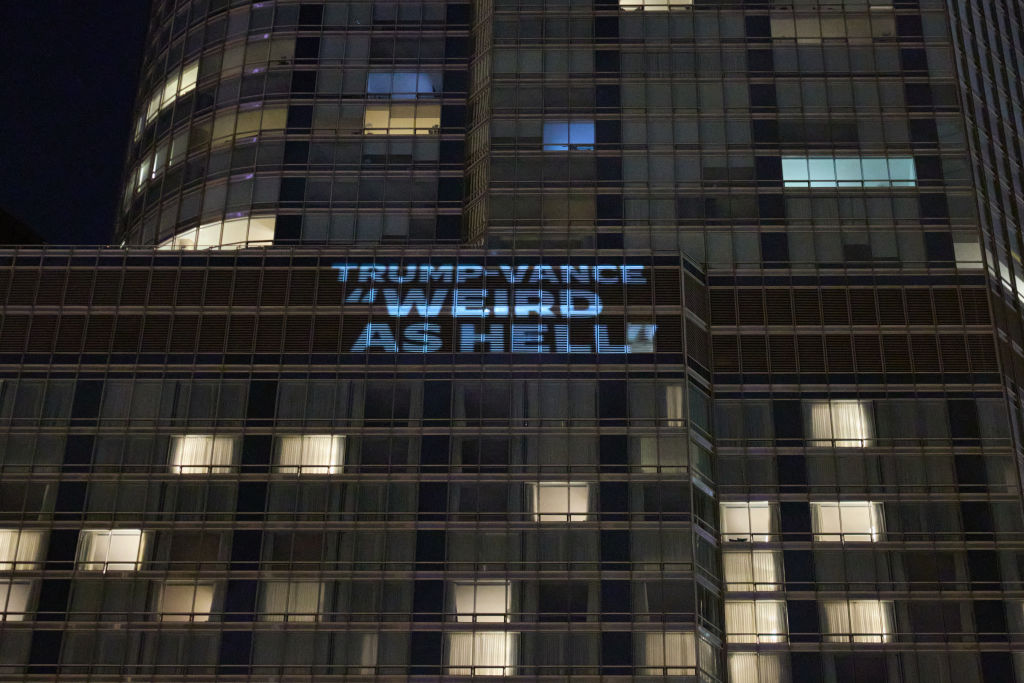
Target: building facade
[[644, 339]]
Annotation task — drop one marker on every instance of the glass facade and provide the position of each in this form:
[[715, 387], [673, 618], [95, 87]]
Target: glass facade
[[587, 339]]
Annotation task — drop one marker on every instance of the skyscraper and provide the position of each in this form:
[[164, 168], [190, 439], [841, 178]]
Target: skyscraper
[[632, 339]]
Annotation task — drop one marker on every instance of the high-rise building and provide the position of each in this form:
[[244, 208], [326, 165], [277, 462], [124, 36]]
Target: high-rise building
[[603, 339]]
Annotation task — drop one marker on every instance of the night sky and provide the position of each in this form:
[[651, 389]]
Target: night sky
[[68, 72]]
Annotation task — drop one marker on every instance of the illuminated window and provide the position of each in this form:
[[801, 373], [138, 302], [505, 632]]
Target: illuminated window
[[202, 454], [756, 570], [756, 621], [568, 135], [670, 653], [751, 667], [748, 522], [849, 172], [237, 233], [186, 601], [248, 120], [113, 551], [310, 454], [842, 423], [20, 550], [850, 521], [860, 621], [483, 601], [560, 502], [813, 28], [179, 83], [654, 5], [403, 85], [14, 596], [291, 600], [402, 118], [490, 653]]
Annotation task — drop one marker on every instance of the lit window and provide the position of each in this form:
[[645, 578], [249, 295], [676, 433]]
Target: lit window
[[237, 233], [402, 118], [481, 654], [115, 550], [842, 423], [483, 601], [247, 121], [862, 621], [560, 502], [757, 570], [20, 550], [292, 600], [667, 653], [14, 597], [675, 407], [850, 521], [310, 454], [179, 83], [751, 667], [568, 135], [756, 621], [747, 522], [849, 172], [654, 5], [813, 28], [403, 85], [202, 454], [186, 601]]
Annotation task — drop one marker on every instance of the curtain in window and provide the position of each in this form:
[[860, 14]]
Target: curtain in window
[[20, 550], [488, 602], [844, 423], [667, 653], [311, 454], [849, 521], [560, 502], [747, 522], [186, 602], [481, 654], [117, 550], [760, 570], [750, 667], [675, 409], [202, 454], [863, 621], [292, 600], [14, 600], [756, 621]]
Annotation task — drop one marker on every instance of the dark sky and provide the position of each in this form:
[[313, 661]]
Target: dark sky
[[68, 71]]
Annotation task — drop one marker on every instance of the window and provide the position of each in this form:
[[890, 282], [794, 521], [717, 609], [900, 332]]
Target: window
[[403, 85], [186, 601], [750, 667], [757, 570], [849, 172], [654, 5], [756, 621], [568, 135], [310, 454], [402, 118], [20, 550], [482, 654], [291, 600], [114, 550], [850, 521], [560, 502], [14, 597], [842, 423], [483, 602], [747, 522], [812, 28], [247, 120], [666, 653], [236, 233], [179, 83], [862, 621], [202, 454]]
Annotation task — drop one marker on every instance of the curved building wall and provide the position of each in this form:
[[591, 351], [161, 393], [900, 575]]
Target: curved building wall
[[284, 122]]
